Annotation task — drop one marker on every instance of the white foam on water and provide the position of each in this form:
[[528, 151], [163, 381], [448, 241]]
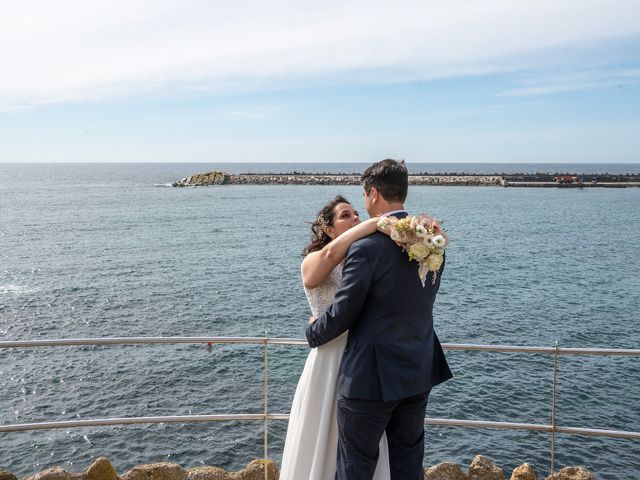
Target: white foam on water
[[14, 289]]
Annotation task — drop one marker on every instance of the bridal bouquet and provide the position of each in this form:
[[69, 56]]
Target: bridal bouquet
[[422, 238]]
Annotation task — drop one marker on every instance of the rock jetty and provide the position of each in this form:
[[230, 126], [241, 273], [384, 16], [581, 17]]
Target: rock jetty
[[480, 468], [424, 179], [221, 178]]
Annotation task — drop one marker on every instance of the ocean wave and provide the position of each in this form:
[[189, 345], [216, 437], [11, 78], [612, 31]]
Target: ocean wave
[[14, 289]]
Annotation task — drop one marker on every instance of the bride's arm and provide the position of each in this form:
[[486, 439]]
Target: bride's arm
[[317, 266]]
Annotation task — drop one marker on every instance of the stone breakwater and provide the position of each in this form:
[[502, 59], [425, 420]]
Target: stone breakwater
[[480, 468], [297, 178], [221, 178]]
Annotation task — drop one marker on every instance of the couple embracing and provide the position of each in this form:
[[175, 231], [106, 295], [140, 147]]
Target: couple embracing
[[359, 407]]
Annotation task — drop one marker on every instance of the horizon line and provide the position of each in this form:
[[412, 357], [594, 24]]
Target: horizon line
[[118, 162]]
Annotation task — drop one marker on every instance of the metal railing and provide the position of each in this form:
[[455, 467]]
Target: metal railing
[[265, 417]]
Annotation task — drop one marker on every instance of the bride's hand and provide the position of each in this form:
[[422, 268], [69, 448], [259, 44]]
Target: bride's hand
[[387, 229], [312, 319]]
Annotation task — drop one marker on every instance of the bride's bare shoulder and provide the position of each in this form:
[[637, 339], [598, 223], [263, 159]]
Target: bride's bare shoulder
[[309, 269], [309, 259]]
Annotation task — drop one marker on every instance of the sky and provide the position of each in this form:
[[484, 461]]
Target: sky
[[320, 81]]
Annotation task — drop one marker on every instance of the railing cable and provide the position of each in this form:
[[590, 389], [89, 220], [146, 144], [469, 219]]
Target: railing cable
[[553, 409], [265, 417]]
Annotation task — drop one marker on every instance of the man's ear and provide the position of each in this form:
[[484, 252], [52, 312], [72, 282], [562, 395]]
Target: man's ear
[[374, 195]]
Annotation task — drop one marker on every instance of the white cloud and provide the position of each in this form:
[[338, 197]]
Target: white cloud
[[256, 112], [85, 50], [581, 80]]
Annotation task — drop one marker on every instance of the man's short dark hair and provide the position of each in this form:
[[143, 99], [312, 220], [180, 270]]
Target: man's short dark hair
[[389, 177]]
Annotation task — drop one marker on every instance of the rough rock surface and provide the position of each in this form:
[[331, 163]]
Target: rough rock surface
[[571, 473], [156, 471], [524, 472], [202, 179], [445, 471], [207, 473], [4, 475], [255, 471], [53, 473], [481, 468], [101, 469]]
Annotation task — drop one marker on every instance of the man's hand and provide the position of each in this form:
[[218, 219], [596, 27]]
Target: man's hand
[[312, 319]]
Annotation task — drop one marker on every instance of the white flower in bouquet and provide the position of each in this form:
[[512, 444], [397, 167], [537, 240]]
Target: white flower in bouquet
[[421, 231], [428, 241], [439, 241]]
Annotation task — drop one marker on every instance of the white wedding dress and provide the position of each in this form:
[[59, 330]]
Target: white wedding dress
[[311, 446]]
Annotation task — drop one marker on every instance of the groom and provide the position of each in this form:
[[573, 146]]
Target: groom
[[393, 357]]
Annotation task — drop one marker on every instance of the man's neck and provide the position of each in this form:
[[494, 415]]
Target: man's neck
[[389, 207], [396, 211]]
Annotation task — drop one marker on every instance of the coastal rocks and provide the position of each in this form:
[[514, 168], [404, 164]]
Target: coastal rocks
[[524, 472], [156, 471], [53, 473], [4, 475], [445, 471], [202, 179], [295, 179], [221, 178], [470, 180], [101, 469], [207, 473], [481, 468], [424, 179], [255, 471], [571, 473]]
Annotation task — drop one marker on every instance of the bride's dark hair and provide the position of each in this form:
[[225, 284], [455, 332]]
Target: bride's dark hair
[[319, 237]]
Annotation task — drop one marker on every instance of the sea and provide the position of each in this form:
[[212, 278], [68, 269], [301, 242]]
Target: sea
[[110, 250]]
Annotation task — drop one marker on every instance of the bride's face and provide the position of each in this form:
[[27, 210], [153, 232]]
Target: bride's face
[[344, 217]]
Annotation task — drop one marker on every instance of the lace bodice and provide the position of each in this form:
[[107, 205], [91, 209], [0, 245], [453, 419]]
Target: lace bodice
[[320, 298]]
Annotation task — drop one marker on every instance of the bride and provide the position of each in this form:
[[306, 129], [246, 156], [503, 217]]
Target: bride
[[311, 445]]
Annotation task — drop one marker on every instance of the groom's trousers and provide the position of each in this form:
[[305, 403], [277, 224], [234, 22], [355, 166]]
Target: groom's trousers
[[361, 424]]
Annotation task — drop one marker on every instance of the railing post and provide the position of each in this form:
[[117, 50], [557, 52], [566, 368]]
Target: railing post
[[553, 409], [266, 403]]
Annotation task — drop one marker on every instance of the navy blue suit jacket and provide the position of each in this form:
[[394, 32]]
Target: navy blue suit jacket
[[392, 350]]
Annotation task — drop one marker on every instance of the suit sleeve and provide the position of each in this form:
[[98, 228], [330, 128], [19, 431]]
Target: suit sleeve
[[357, 276]]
